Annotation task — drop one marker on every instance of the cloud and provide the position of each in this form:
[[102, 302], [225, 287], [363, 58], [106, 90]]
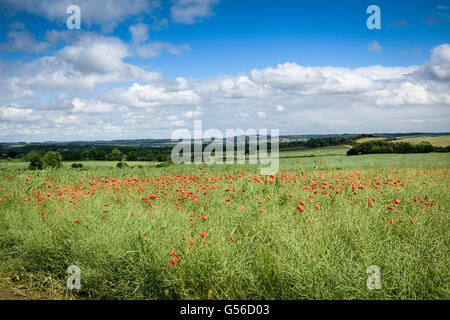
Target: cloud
[[17, 25], [90, 61], [148, 96], [288, 76], [280, 108], [378, 72], [91, 107], [431, 20], [261, 114], [291, 97], [311, 80], [20, 39], [405, 93], [190, 11], [415, 51], [159, 24], [178, 123], [241, 115], [139, 33], [240, 87], [374, 46], [14, 112], [400, 23], [105, 13], [193, 113], [438, 67], [155, 49], [140, 40], [94, 55], [12, 89]]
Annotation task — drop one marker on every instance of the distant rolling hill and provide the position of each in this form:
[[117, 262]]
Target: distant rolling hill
[[439, 141]]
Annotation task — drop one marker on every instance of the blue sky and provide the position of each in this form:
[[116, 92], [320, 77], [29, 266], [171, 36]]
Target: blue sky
[[211, 44], [242, 35]]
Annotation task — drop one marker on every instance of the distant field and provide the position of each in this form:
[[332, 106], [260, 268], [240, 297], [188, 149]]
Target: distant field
[[336, 158], [369, 139], [319, 158], [440, 141], [86, 164]]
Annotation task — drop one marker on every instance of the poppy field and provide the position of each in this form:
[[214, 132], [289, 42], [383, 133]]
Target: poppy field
[[227, 232]]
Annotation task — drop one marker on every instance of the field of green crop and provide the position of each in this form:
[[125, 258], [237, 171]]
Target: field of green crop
[[226, 232], [86, 164], [440, 141], [361, 140]]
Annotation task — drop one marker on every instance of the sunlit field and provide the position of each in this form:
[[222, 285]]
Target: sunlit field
[[440, 141], [226, 232]]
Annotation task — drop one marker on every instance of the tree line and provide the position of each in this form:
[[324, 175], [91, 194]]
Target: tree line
[[99, 153], [385, 146]]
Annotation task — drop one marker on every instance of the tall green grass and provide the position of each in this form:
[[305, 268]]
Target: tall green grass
[[317, 254]]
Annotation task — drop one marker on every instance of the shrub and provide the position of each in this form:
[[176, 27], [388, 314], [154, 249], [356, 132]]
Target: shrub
[[77, 165], [116, 154], [35, 160], [52, 159], [424, 147], [161, 158], [121, 165], [163, 164], [383, 146]]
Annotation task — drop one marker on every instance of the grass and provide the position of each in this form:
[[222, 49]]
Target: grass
[[86, 164], [440, 141], [361, 140], [336, 158], [123, 248]]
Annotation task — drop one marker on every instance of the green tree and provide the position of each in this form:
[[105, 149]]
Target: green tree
[[35, 160], [132, 156], [52, 159], [162, 158], [101, 155], [92, 153], [77, 155], [116, 154]]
